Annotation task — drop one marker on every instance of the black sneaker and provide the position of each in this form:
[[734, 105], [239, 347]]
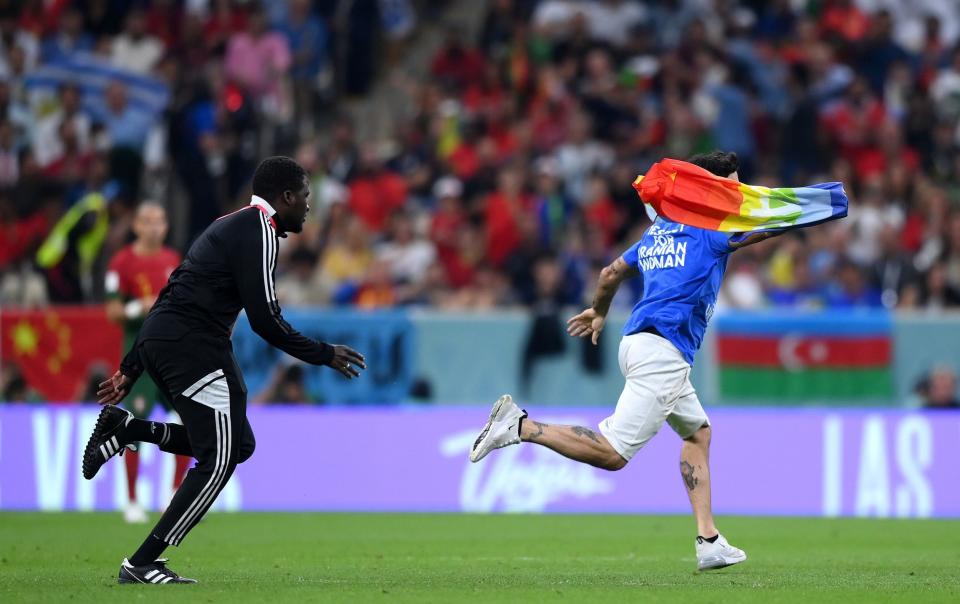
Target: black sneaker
[[156, 573], [104, 442]]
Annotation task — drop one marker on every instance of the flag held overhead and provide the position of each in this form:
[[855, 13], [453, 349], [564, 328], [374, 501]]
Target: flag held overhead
[[688, 194]]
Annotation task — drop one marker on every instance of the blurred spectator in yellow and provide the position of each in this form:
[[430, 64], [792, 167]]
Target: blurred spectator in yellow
[[346, 260]]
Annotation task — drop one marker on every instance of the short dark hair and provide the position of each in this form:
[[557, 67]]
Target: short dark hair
[[717, 162], [275, 175]]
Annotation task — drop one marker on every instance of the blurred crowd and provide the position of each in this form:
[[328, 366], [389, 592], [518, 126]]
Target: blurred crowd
[[508, 178], [107, 103]]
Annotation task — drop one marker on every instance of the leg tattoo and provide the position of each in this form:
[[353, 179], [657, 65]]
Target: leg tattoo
[[686, 470], [581, 431], [540, 426]]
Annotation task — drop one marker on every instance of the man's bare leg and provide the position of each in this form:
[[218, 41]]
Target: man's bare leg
[[576, 442], [695, 470]]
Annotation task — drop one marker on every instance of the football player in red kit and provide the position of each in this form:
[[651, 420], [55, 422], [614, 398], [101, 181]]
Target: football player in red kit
[[135, 276]]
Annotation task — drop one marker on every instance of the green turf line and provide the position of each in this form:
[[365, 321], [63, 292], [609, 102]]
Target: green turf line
[[484, 558]]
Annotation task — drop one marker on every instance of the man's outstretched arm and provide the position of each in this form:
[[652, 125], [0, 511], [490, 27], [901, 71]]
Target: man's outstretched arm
[[609, 282], [742, 240], [590, 321], [254, 264]]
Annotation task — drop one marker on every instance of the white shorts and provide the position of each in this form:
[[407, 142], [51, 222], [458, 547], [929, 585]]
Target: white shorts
[[658, 389]]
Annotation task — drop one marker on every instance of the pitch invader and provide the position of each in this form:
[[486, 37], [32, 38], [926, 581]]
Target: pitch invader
[[682, 268], [135, 276], [184, 345]]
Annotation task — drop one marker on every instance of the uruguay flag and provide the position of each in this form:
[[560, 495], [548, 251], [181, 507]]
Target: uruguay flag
[[146, 95]]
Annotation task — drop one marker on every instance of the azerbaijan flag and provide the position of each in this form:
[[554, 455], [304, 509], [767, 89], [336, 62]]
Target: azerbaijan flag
[[807, 358]]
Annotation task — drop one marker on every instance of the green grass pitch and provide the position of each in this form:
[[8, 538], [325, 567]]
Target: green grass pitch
[[484, 558]]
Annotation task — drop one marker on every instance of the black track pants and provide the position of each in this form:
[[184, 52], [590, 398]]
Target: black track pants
[[205, 386]]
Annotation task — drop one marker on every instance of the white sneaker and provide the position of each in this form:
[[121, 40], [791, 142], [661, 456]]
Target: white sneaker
[[134, 514], [717, 554], [501, 430]]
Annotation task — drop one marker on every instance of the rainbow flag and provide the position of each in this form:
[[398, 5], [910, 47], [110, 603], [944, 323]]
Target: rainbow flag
[[688, 194]]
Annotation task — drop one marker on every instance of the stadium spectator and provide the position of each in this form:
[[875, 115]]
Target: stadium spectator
[[377, 289], [125, 126], [295, 287], [580, 156], [505, 210], [612, 21], [893, 272], [14, 387], [498, 29], [103, 19], [850, 289], [938, 389], [457, 64], [945, 89], [342, 153], [165, 21], [880, 51], [791, 281], [71, 167], [69, 254], [951, 256], [14, 104], [259, 59], [136, 49], [354, 20], [225, 18], [375, 191], [286, 387], [868, 218], [47, 140], [729, 124], [601, 213], [307, 39], [9, 156], [407, 254], [553, 208], [844, 21], [68, 38], [936, 293], [19, 235], [346, 260]]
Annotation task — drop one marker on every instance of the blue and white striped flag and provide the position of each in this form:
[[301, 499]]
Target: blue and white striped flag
[[92, 74]]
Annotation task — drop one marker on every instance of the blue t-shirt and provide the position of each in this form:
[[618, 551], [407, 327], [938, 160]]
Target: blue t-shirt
[[682, 269]]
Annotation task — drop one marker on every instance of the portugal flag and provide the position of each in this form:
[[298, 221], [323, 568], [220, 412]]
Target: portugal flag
[[805, 358], [59, 348]]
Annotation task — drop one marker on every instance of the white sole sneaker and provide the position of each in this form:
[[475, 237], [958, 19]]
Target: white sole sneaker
[[502, 428], [719, 554]]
